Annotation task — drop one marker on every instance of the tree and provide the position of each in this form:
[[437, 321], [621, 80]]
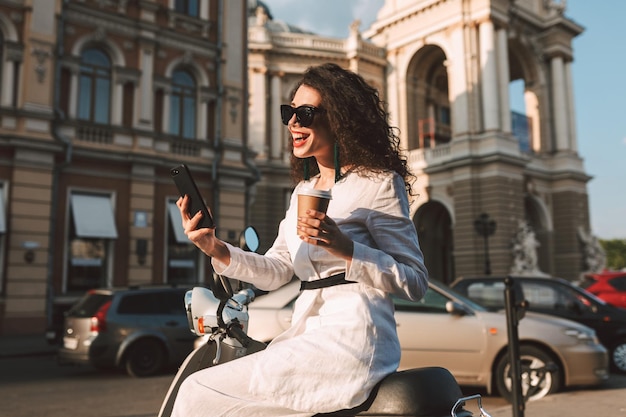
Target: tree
[[615, 253]]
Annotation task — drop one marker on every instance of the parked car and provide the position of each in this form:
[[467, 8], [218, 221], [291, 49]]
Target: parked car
[[446, 329], [608, 285], [561, 298], [142, 330]]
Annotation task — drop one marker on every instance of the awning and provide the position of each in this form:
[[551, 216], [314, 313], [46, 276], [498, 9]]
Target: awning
[[93, 216], [177, 223], [3, 222]]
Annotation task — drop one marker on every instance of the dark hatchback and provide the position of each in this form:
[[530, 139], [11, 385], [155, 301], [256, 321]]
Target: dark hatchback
[[557, 297], [143, 330]]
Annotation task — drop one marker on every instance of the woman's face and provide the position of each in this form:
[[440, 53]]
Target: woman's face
[[314, 140]]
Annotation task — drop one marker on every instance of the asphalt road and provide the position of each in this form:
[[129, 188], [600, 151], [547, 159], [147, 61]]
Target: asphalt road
[[38, 386]]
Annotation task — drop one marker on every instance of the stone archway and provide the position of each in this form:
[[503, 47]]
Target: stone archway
[[434, 228]]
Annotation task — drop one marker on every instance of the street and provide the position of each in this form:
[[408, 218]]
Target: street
[[38, 386]]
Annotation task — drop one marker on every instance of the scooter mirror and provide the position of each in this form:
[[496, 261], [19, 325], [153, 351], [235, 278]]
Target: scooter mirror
[[249, 239]]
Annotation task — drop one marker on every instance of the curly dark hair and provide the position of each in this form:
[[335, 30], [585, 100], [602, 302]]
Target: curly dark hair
[[357, 117]]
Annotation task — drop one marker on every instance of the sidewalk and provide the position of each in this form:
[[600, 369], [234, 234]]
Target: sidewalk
[[576, 403], [25, 345]]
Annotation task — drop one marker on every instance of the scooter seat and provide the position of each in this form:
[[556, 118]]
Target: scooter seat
[[430, 391]]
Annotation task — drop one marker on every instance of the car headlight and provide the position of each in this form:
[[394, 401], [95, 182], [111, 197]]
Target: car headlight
[[584, 336]]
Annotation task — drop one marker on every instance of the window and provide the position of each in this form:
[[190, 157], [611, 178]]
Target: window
[[153, 303], [432, 302], [183, 105], [188, 7], [91, 233], [619, 283], [94, 87], [3, 232], [182, 255], [3, 222]]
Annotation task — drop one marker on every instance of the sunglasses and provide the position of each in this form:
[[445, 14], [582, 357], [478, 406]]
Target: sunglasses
[[304, 114]]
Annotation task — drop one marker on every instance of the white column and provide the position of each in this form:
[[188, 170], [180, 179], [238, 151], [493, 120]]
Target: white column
[[165, 123], [559, 108], [258, 112], [275, 123], [8, 80], [489, 76], [393, 98], [571, 108], [503, 80], [117, 103], [73, 105], [204, 10], [201, 115], [457, 76], [145, 86]]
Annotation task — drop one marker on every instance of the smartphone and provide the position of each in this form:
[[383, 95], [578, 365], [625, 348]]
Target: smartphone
[[187, 186]]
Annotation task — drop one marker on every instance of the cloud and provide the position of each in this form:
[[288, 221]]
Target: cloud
[[325, 17]]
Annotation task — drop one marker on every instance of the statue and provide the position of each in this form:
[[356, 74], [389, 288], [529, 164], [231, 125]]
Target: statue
[[525, 244], [593, 252]]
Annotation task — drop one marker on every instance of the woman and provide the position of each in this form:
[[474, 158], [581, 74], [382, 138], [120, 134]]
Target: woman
[[343, 339]]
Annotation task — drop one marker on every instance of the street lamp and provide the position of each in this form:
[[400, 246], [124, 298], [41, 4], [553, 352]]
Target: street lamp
[[485, 227]]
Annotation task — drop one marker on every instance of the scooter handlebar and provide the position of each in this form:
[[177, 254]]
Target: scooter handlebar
[[237, 332]]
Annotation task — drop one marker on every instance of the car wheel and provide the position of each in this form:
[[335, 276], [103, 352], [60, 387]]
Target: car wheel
[[145, 358], [541, 374], [618, 357]]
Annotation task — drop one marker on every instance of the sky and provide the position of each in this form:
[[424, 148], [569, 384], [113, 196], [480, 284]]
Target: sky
[[599, 76]]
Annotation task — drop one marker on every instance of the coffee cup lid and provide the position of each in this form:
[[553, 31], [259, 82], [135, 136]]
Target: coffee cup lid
[[316, 193]]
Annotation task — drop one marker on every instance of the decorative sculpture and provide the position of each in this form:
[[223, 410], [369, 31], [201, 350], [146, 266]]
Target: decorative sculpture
[[593, 252], [525, 244]]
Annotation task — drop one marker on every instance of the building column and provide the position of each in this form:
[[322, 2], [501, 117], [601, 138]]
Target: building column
[[73, 104], [571, 110], [275, 120], [489, 76], [8, 81], [258, 112], [559, 101], [201, 115], [117, 103], [457, 76], [165, 123], [146, 98], [503, 79]]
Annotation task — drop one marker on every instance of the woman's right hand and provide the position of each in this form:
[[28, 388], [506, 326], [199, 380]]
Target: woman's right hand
[[203, 238]]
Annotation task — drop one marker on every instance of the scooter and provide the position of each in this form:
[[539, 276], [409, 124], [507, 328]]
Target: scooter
[[220, 315]]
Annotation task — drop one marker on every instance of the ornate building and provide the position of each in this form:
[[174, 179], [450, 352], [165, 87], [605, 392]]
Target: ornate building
[[98, 100], [445, 68]]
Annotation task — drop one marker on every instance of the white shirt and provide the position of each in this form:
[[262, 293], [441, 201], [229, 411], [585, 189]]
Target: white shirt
[[343, 339]]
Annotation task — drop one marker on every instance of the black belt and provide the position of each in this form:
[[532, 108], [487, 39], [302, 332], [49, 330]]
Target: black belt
[[338, 279]]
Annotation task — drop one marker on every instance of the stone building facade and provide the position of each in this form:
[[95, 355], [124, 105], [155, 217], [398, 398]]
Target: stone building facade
[[445, 68], [99, 100]]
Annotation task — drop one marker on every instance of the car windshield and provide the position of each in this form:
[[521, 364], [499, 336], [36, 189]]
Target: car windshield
[[591, 296], [445, 293]]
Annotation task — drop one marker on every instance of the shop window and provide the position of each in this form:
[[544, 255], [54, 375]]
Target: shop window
[[182, 255], [92, 231]]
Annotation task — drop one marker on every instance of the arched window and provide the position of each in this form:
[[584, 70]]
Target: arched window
[[183, 105], [94, 87], [188, 7]]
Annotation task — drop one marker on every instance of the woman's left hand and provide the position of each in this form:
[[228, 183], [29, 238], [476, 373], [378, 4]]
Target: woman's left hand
[[320, 230]]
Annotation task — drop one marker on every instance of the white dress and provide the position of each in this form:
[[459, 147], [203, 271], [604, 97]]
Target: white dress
[[343, 338]]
